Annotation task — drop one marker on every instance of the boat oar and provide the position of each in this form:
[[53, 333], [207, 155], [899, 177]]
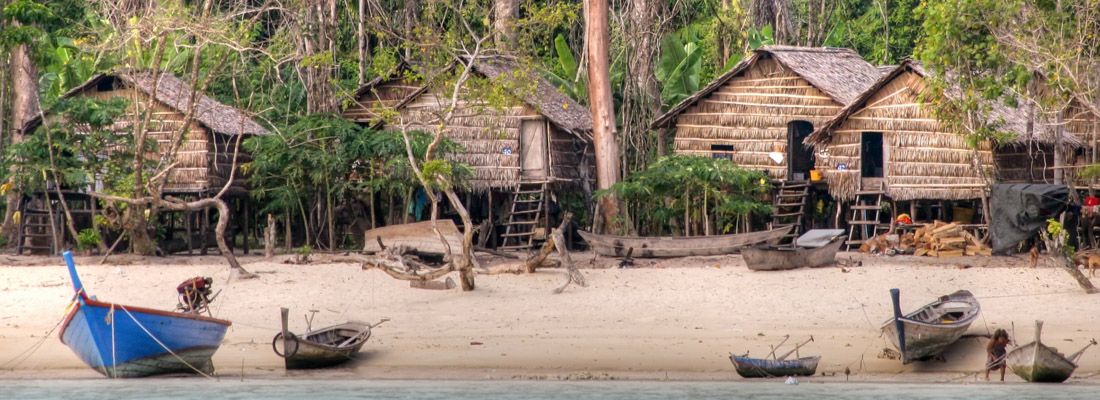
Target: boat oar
[[895, 297], [785, 337], [379, 323], [784, 357], [1073, 357]]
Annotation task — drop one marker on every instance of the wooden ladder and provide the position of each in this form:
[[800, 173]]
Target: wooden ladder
[[528, 206], [34, 224], [790, 206], [864, 223]]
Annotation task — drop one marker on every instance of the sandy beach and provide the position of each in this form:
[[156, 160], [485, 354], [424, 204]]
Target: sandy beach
[[663, 319]]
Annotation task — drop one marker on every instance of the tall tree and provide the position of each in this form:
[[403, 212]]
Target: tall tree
[[597, 37], [505, 13], [641, 96]]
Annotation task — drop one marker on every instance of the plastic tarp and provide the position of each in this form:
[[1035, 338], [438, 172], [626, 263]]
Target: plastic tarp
[[1019, 210]]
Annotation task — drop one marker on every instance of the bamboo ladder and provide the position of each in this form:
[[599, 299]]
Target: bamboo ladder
[[866, 212], [528, 206], [790, 206]]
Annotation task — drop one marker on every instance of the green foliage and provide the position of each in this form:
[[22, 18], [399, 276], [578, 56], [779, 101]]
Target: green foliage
[[88, 238], [701, 187], [565, 74], [679, 67]]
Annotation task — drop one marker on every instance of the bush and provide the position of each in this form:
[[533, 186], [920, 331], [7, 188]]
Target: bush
[[87, 239]]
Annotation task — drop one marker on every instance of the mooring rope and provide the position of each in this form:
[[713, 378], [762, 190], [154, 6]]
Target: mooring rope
[[163, 346], [114, 354]]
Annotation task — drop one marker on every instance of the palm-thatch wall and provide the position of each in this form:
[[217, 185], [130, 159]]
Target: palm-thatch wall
[[745, 113], [489, 135], [205, 156], [923, 158]]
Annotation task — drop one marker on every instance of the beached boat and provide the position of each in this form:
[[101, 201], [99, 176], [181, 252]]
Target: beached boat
[[321, 348], [765, 368], [122, 341], [929, 330], [1037, 362], [678, 246], [815, 248]]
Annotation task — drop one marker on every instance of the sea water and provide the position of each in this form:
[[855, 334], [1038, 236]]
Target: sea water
[[176, 389]]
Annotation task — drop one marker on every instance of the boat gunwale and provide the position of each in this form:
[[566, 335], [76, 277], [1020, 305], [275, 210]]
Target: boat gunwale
[[103, 304], [969, 319]]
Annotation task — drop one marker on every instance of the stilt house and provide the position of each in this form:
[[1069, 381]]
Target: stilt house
[[542, 143], [888, 143], [204, 160], [759, 113]]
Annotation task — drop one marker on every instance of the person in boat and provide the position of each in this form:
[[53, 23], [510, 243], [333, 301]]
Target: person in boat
[[996, 350], [194, 293]]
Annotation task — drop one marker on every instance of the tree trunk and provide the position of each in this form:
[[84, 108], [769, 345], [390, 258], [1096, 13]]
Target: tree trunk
[[505, 13], [641, 95], [602, 107], [315, 39], [269, 237], [361, 35], [24, 106]]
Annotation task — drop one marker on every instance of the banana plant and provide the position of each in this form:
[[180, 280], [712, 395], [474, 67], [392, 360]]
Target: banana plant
[[565, 75]]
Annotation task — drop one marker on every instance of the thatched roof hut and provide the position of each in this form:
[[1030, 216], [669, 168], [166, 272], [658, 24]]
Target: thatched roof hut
[[759, 112], [205, 157], [889, 136], [544, 136]]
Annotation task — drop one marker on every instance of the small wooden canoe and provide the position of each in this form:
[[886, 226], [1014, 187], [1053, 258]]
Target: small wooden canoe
[[321, 348], [678, 246], [765, 368], [1037, 362], [929, 330], [774, 258]]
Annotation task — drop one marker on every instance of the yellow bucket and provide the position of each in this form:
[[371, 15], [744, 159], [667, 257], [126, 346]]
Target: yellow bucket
[[815, 175]]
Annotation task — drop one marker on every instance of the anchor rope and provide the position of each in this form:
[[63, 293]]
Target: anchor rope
[[151, 336]]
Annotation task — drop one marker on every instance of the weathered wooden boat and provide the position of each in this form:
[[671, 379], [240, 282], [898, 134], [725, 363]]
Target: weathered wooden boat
[[1037, 362], [749, 367], [122, 341], [765, 368], [323, 347], [678, 246], [929, 330], [815, 248]]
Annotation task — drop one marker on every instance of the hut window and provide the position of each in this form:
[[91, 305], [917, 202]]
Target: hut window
[[870, 155], [801, 156], [721, 151]]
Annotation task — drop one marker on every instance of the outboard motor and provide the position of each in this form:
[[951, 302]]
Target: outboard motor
[[195, 295]]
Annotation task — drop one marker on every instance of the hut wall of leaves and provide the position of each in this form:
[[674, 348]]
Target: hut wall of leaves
[[206, 147], [536, 135], [758, 113], [890, 136]]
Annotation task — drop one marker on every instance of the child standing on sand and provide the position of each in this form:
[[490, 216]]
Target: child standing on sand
[[996, 351]]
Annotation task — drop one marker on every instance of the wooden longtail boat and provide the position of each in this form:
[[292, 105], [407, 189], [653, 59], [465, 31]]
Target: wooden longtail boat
[[1037, 362], [773, 258], [121, 341], [677, 246], [323, 347], [765, 368], [929, 330]]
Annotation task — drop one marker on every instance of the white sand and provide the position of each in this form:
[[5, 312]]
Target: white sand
[[668, 318]]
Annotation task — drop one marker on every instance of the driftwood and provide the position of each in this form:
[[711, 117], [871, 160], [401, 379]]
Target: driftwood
[[573, 275], [548, 247], [1055, 249], [446, 284]]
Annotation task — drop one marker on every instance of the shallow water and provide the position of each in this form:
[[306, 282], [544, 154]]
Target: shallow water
[[176, 389]]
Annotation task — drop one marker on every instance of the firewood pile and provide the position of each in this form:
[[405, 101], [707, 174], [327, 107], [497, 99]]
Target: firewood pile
[[940, 239]]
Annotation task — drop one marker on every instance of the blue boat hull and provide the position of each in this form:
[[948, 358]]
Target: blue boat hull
[[125, 341]]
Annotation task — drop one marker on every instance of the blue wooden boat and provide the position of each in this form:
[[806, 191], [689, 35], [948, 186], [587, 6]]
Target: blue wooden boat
[[125, 341]]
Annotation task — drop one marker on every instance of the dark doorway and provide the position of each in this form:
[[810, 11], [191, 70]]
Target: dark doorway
[[800, 157], [870, 155]]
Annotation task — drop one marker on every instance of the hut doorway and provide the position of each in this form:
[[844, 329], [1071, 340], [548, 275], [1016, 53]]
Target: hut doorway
[[533, 146], [871, 160], [800, 157]]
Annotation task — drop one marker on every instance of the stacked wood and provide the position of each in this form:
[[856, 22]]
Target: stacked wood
[[939, 239]]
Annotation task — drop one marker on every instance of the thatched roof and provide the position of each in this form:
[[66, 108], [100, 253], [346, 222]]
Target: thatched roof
[[558, 108], [176, 94], [839, 73], [1014, 119]]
